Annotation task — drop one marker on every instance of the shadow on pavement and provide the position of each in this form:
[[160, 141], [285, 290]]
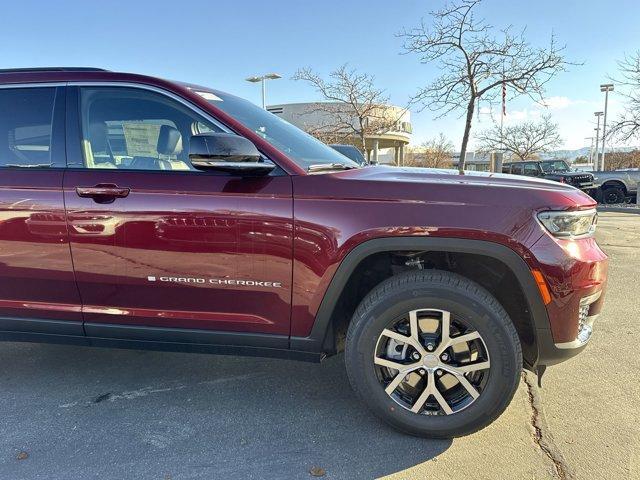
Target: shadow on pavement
[[97, 413]]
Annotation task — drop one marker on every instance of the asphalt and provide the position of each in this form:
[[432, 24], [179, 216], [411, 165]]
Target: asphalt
[[81, 413]]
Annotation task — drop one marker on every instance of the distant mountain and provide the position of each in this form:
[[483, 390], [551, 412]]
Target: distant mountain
[[580, 152]]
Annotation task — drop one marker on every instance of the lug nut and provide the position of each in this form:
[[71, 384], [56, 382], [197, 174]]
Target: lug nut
[[416, 356], [423, 371], [444, 357], [430, 346], [439, 372]]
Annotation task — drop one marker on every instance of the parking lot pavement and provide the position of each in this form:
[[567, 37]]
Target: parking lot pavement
[[80, 413], [592, 403]]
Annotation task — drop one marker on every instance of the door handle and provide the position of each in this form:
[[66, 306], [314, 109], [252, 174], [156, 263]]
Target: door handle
[[103, 192]]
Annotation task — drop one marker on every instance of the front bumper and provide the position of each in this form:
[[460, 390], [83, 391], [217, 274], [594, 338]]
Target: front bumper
[[585, 322], [576, 274]]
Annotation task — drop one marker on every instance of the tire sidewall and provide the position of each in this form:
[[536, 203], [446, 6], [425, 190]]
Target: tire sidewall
[[503, 355]]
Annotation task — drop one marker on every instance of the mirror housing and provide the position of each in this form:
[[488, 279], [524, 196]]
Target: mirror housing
[[226, 152]]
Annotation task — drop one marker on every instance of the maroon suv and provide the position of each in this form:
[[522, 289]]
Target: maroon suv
[[141, 213]]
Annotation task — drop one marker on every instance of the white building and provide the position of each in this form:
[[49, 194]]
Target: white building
[[386, 148]]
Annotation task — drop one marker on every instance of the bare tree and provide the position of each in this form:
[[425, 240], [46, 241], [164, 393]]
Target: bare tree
[[616, 160], [435, 152], [477, 61], [627, 126], [523, 141], [352, 106]]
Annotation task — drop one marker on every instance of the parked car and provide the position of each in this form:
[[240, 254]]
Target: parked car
[[616, 186], [138, 212], [556, 170], [350, 152]]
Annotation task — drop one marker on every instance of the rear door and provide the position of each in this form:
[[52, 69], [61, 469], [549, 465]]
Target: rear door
[[37, 286], [159, 246]]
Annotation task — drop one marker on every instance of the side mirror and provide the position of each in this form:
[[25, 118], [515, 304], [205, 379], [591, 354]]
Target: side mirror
[[226, 152]]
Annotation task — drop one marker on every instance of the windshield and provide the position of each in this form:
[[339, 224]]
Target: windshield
[[351, 152], [299, 146], [554, 166]]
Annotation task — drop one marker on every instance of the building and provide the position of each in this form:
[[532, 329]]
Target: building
[[318, 118], [473, 161]]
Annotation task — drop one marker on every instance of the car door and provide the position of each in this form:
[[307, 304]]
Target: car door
[[38, 293], [158, 246]]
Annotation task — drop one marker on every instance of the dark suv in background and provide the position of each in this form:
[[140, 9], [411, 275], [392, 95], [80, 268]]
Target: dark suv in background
[[556, 170], [138, 212]]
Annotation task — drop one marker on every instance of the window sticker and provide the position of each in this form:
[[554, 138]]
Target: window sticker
[[209, 96], [141, 138]]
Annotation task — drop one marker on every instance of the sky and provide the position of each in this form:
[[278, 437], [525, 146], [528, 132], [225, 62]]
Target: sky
[[219, 43]]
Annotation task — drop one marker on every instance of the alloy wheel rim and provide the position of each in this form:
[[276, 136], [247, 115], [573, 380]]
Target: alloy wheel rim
[[612, 198], [431, 362]]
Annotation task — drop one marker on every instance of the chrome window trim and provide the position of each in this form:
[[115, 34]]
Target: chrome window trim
[[32, 85]]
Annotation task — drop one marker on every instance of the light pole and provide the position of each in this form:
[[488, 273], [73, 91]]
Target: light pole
[[590, 148], [262, 79], [606, 88], [597, 162]]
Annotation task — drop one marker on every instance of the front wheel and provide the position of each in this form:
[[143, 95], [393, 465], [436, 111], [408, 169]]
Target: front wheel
[[433, 354], [613, 195]]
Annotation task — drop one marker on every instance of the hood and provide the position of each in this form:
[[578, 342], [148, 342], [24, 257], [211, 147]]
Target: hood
[[570, 174], [438, 175], [473, 187]]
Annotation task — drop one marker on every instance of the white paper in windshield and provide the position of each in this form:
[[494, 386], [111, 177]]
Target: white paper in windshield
[[209, 96]]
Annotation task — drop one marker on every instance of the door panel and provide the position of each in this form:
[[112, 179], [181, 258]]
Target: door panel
[[36, 271], [184, 250], [156, 243]]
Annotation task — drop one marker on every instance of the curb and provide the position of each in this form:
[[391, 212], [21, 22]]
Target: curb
[[632, 210]]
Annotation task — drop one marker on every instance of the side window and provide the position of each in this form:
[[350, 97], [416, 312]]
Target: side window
[[516, 169], [506, 168], [135, 129], [531, 169], [26, 123]]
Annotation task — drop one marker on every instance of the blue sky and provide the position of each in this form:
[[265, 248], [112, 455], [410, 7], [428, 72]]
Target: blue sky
[[219, 43]]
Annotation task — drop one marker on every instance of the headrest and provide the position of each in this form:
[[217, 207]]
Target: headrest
[[97, 134], [169, 141]]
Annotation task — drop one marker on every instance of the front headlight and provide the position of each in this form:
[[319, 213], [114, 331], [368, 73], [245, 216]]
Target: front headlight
[[575, 224]]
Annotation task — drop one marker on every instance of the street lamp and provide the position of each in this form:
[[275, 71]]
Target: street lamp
[[606, 88], [597, 162], [590, 148], [262, 79]]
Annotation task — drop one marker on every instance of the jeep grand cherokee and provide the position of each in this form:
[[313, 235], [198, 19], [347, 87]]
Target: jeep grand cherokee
[[142, 213]]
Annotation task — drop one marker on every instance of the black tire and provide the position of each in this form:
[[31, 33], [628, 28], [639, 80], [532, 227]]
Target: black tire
[[613, 195], [463, 298]]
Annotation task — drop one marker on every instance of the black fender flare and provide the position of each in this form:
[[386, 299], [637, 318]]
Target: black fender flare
[[317, 341]]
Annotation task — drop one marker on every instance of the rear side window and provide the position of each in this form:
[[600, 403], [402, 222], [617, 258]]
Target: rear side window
[[26, 120], [516, 169], [531, 169]]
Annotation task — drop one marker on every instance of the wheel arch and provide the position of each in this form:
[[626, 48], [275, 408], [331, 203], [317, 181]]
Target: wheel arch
[[615, 184], [322, 336]]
